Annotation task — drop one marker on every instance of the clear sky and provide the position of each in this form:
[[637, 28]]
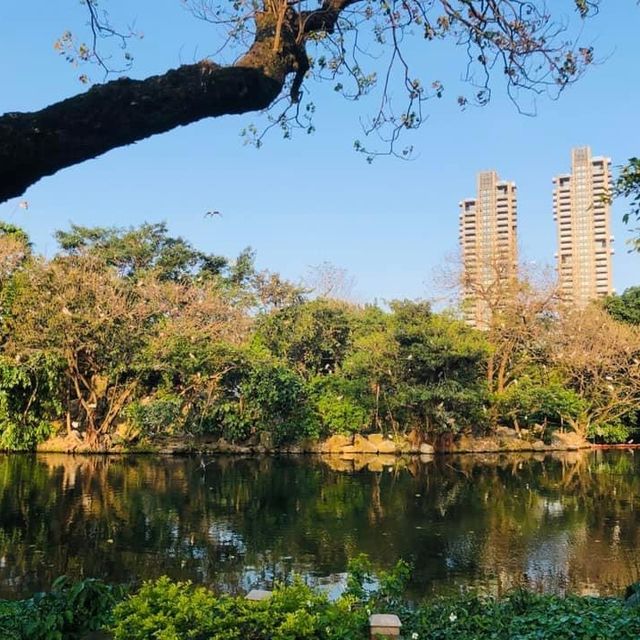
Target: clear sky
[[303, 201]]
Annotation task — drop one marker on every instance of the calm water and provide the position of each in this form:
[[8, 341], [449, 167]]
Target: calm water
[[557, 523]]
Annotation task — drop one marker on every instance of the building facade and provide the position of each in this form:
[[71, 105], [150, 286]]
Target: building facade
[[488, 242], [583, 217]]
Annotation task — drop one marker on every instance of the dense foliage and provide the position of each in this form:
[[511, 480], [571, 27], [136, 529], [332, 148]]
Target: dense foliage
[[627, 185], [68, 611], [130, 335], [168, 610]]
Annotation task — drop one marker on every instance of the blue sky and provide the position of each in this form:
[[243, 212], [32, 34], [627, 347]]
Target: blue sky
[[312, 199]]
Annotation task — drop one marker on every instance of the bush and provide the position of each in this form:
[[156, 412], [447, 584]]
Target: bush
[[262, 397], [609, 433], [167, 610], [68, 611], [527, 403], [338, 403], [523, 616], [174, 611], [275, 401], [160, 415], [29, 401]]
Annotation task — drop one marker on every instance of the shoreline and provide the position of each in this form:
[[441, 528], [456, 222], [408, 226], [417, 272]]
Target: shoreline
[[337, 447]]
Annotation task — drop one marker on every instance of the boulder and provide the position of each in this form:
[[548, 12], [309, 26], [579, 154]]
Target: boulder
[[348, 450], [335, 443], [506, 432], [308, 445], [426, 449], [386, 447], [568, 441], [363, 445]]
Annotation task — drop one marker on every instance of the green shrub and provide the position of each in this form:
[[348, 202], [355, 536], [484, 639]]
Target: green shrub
[[68, 611], [166, 610], [609, 433], [262, 396], [160, 415], [275, 400], [523, 616], [527, 403], [29, 401], [339, 405]]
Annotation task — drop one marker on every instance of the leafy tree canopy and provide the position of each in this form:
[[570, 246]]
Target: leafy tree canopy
[[627, 185], [625, 307], [135, 251]]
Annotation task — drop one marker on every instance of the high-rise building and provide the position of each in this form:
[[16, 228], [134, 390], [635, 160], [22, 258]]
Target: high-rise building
[[582, 213], [488, 240]]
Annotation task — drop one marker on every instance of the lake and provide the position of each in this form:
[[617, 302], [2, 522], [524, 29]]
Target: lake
[[562, 522]]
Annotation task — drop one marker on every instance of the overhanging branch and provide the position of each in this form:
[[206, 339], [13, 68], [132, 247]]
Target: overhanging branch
[[121, 112]]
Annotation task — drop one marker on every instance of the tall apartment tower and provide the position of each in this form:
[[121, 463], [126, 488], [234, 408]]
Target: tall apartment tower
[[583, 217], [488, 240]]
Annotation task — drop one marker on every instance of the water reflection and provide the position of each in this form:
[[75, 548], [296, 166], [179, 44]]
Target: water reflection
[[558, 523]]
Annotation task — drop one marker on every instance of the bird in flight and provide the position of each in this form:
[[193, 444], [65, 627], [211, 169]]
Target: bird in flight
[[210, 214]]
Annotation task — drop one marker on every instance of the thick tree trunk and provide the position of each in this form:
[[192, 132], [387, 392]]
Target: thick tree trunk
[[111, 115]]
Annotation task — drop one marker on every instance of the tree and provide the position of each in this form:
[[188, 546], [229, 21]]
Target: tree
[[278, 44], [312, 337], [512, 305], [600, 359], [326, 280], [627, 185], [439, 366], [625, 307], [85, 316], [139, 251], [113, 315], [527, 403], [373, 360]]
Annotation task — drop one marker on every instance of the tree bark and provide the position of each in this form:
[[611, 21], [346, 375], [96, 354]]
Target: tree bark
[[121, 112]]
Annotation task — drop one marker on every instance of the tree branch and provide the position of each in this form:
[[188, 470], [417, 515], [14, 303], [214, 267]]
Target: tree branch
[[121, 112]]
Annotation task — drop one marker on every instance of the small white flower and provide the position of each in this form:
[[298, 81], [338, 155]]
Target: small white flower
[[414, 635], [453, 617]]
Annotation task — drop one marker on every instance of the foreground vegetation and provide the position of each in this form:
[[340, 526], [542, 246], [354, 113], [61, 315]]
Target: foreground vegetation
[[127, 336], [167, 610]]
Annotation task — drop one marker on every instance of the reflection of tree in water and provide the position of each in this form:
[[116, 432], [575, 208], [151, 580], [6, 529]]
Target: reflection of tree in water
[[566, 522]]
